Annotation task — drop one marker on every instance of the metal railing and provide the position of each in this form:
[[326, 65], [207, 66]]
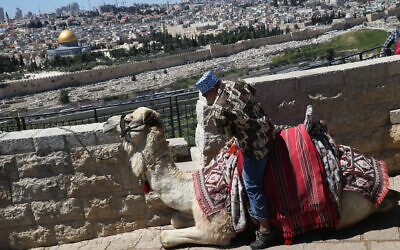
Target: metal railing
[[178, 113], [343, 59]]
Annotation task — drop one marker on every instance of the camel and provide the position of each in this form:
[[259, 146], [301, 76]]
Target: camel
[[144, 140]]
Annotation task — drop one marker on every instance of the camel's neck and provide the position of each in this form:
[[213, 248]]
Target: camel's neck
[[174, 186]]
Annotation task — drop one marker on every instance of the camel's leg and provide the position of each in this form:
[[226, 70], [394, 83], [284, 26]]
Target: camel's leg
[[171, 238], [182, 220]]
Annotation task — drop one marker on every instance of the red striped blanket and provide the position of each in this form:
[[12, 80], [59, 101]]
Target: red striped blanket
[[297, 195]]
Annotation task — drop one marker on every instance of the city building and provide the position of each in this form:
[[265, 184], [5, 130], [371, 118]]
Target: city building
[[1, 14], [68, 45], [18, 13]]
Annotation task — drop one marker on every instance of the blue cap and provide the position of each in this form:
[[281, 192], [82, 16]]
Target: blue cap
[[207, 81]]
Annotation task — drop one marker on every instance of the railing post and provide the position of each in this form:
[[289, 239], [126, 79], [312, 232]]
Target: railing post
[[23, 123], [96, 119], [171, 113], [179, 117], [361, 56], [18, 123]]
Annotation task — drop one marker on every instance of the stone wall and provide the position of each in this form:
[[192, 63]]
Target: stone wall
[[23, 87], [355, 99], [54, 191]]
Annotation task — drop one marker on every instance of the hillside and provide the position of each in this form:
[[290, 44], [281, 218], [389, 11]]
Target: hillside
[[342, 45]]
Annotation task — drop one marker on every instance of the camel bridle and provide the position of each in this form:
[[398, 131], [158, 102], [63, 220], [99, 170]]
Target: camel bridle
[[125, 129]]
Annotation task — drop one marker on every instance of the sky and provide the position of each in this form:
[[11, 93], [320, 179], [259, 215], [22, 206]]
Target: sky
[[47, 6]]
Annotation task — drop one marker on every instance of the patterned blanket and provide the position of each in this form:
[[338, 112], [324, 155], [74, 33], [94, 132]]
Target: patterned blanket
[[297, 195], [220, 185], [363, 174]]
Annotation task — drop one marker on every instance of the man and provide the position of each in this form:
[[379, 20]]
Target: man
[[393, 38], [237, 114]]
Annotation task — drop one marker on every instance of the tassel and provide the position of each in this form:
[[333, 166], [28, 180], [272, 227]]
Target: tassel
[[289, 241], [146, 187]]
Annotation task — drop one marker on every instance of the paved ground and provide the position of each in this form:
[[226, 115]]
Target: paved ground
[[380, 231]]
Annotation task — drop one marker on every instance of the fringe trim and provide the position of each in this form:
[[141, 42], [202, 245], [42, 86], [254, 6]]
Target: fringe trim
[[386, 184]]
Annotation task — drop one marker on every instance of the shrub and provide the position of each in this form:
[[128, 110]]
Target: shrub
[[63, 98]]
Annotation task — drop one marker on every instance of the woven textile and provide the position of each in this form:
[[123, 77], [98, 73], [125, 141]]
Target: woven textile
[[297, 195], [237, 113], [363, 174], [329, 156], [219, 185]]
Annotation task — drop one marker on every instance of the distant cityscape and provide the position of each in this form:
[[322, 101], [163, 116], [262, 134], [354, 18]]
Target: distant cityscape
[[29, 37]]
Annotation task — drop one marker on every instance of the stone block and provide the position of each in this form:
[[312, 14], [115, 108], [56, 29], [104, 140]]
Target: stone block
[[33, 165], [195, 154], [150, 239], [394, 133], [368, 140], [81, 185], [153, 202], [395, 116], [16, 215], [80, 135], [117, 226], [322, 80], [8, 169], [337, 246], [17, 143], [36, 236], [362, 79], [179, 149], [100, 207], [107, 138], [391, 157], [393, 64], [74, 232], [33, 189], [51, 212], [103, 159], [344, 117], [159, 217], [5, 193], [275, 91], [382, 234], [48, 140], [208, 143], [382, 245], [132, 205]]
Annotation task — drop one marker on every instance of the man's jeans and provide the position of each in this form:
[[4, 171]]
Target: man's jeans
[[253, 176]]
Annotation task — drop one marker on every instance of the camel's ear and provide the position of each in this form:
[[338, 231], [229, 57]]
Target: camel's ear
[[112, 124], [150, 117]]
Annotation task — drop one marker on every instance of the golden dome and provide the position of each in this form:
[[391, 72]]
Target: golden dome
[[66, 36]]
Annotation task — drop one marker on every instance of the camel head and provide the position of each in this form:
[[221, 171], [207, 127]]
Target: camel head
[[133, 125], [141, 132]]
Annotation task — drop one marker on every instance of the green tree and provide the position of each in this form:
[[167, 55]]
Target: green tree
[[63, 97], [330, 54]]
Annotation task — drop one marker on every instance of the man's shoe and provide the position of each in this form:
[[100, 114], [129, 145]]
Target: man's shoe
[[263, 239]]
